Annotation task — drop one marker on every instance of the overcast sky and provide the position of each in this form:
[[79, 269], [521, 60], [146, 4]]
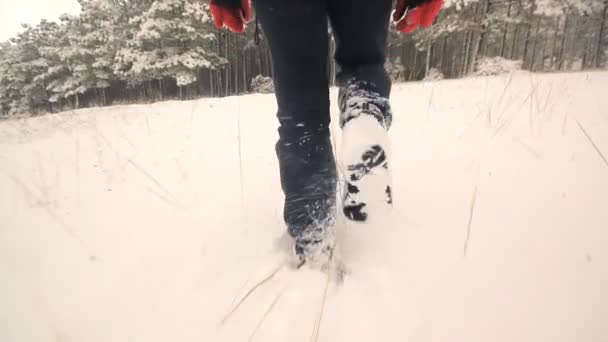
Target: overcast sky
[[15, 12]]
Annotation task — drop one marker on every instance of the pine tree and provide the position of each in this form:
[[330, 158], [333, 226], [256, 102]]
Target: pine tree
[[133, 50], [23, 87], [174, 40]]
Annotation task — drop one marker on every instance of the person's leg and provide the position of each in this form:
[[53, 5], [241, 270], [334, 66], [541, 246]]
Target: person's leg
[[361, 28], [297, 33]]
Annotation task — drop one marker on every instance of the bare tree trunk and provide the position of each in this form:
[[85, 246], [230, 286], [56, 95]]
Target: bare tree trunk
[[503, 43], [143, 94], [244, 72], [467, 55], [227, 80], [268, 63], [584, 61], [483, 45], [514, 42], [212, 92], [427, 67], [443, 52], [526, 44], [562, 46], [413, 73], [554, 44], [474, 46], [160, 88], [600, 36], [479, 38], [104, 96], [217, 76], [236, 71], [515, 34], [259, 62], [572, 50], [533, 58], [97, 97], [453, 66], [542, 57]]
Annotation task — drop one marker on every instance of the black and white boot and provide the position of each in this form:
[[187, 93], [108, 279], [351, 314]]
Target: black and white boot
[[365, 118]]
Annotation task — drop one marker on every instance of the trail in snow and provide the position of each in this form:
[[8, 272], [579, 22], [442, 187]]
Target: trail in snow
[[131, 223]]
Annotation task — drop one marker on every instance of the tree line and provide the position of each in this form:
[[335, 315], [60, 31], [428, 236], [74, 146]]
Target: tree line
[[544, 35], [126, 51]]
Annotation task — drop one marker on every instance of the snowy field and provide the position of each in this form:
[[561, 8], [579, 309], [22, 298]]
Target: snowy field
[[141, 223]]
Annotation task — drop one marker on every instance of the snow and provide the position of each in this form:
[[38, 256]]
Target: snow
[[262, 84], [493, 66], [132, 223], [434, 74]]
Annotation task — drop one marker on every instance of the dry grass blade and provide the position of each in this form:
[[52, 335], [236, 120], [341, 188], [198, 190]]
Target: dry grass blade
[[164, 198], [428, 109], [471, 212], [251, 291], [68, 229], [317, 329], [266, 314], [42, 203], [504, 90], [597, 149], [528, 148], [168, 194], [564, 124]]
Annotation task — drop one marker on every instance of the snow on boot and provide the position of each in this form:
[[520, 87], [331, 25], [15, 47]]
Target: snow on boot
[[365, 119], [315, 246]]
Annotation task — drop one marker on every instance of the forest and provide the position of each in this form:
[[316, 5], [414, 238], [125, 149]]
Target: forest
[[140, 51]]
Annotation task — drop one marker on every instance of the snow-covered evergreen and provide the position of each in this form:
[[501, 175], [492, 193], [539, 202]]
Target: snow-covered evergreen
[[146, 50], [172, 38]]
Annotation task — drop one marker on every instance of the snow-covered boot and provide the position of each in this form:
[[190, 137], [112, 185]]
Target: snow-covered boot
[[315, 245], [365, 118]]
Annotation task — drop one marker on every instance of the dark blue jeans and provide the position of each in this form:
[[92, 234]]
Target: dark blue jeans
[[298, 35]]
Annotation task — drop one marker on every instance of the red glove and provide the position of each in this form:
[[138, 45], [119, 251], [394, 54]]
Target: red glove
[[234, 17], [408, 20]]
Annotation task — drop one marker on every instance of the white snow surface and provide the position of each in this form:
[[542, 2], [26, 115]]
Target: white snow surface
[[133, 223]]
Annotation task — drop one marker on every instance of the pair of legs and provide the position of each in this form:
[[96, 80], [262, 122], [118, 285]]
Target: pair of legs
[[297, 33]]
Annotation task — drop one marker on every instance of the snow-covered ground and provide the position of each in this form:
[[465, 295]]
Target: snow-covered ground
[[141, 223]]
